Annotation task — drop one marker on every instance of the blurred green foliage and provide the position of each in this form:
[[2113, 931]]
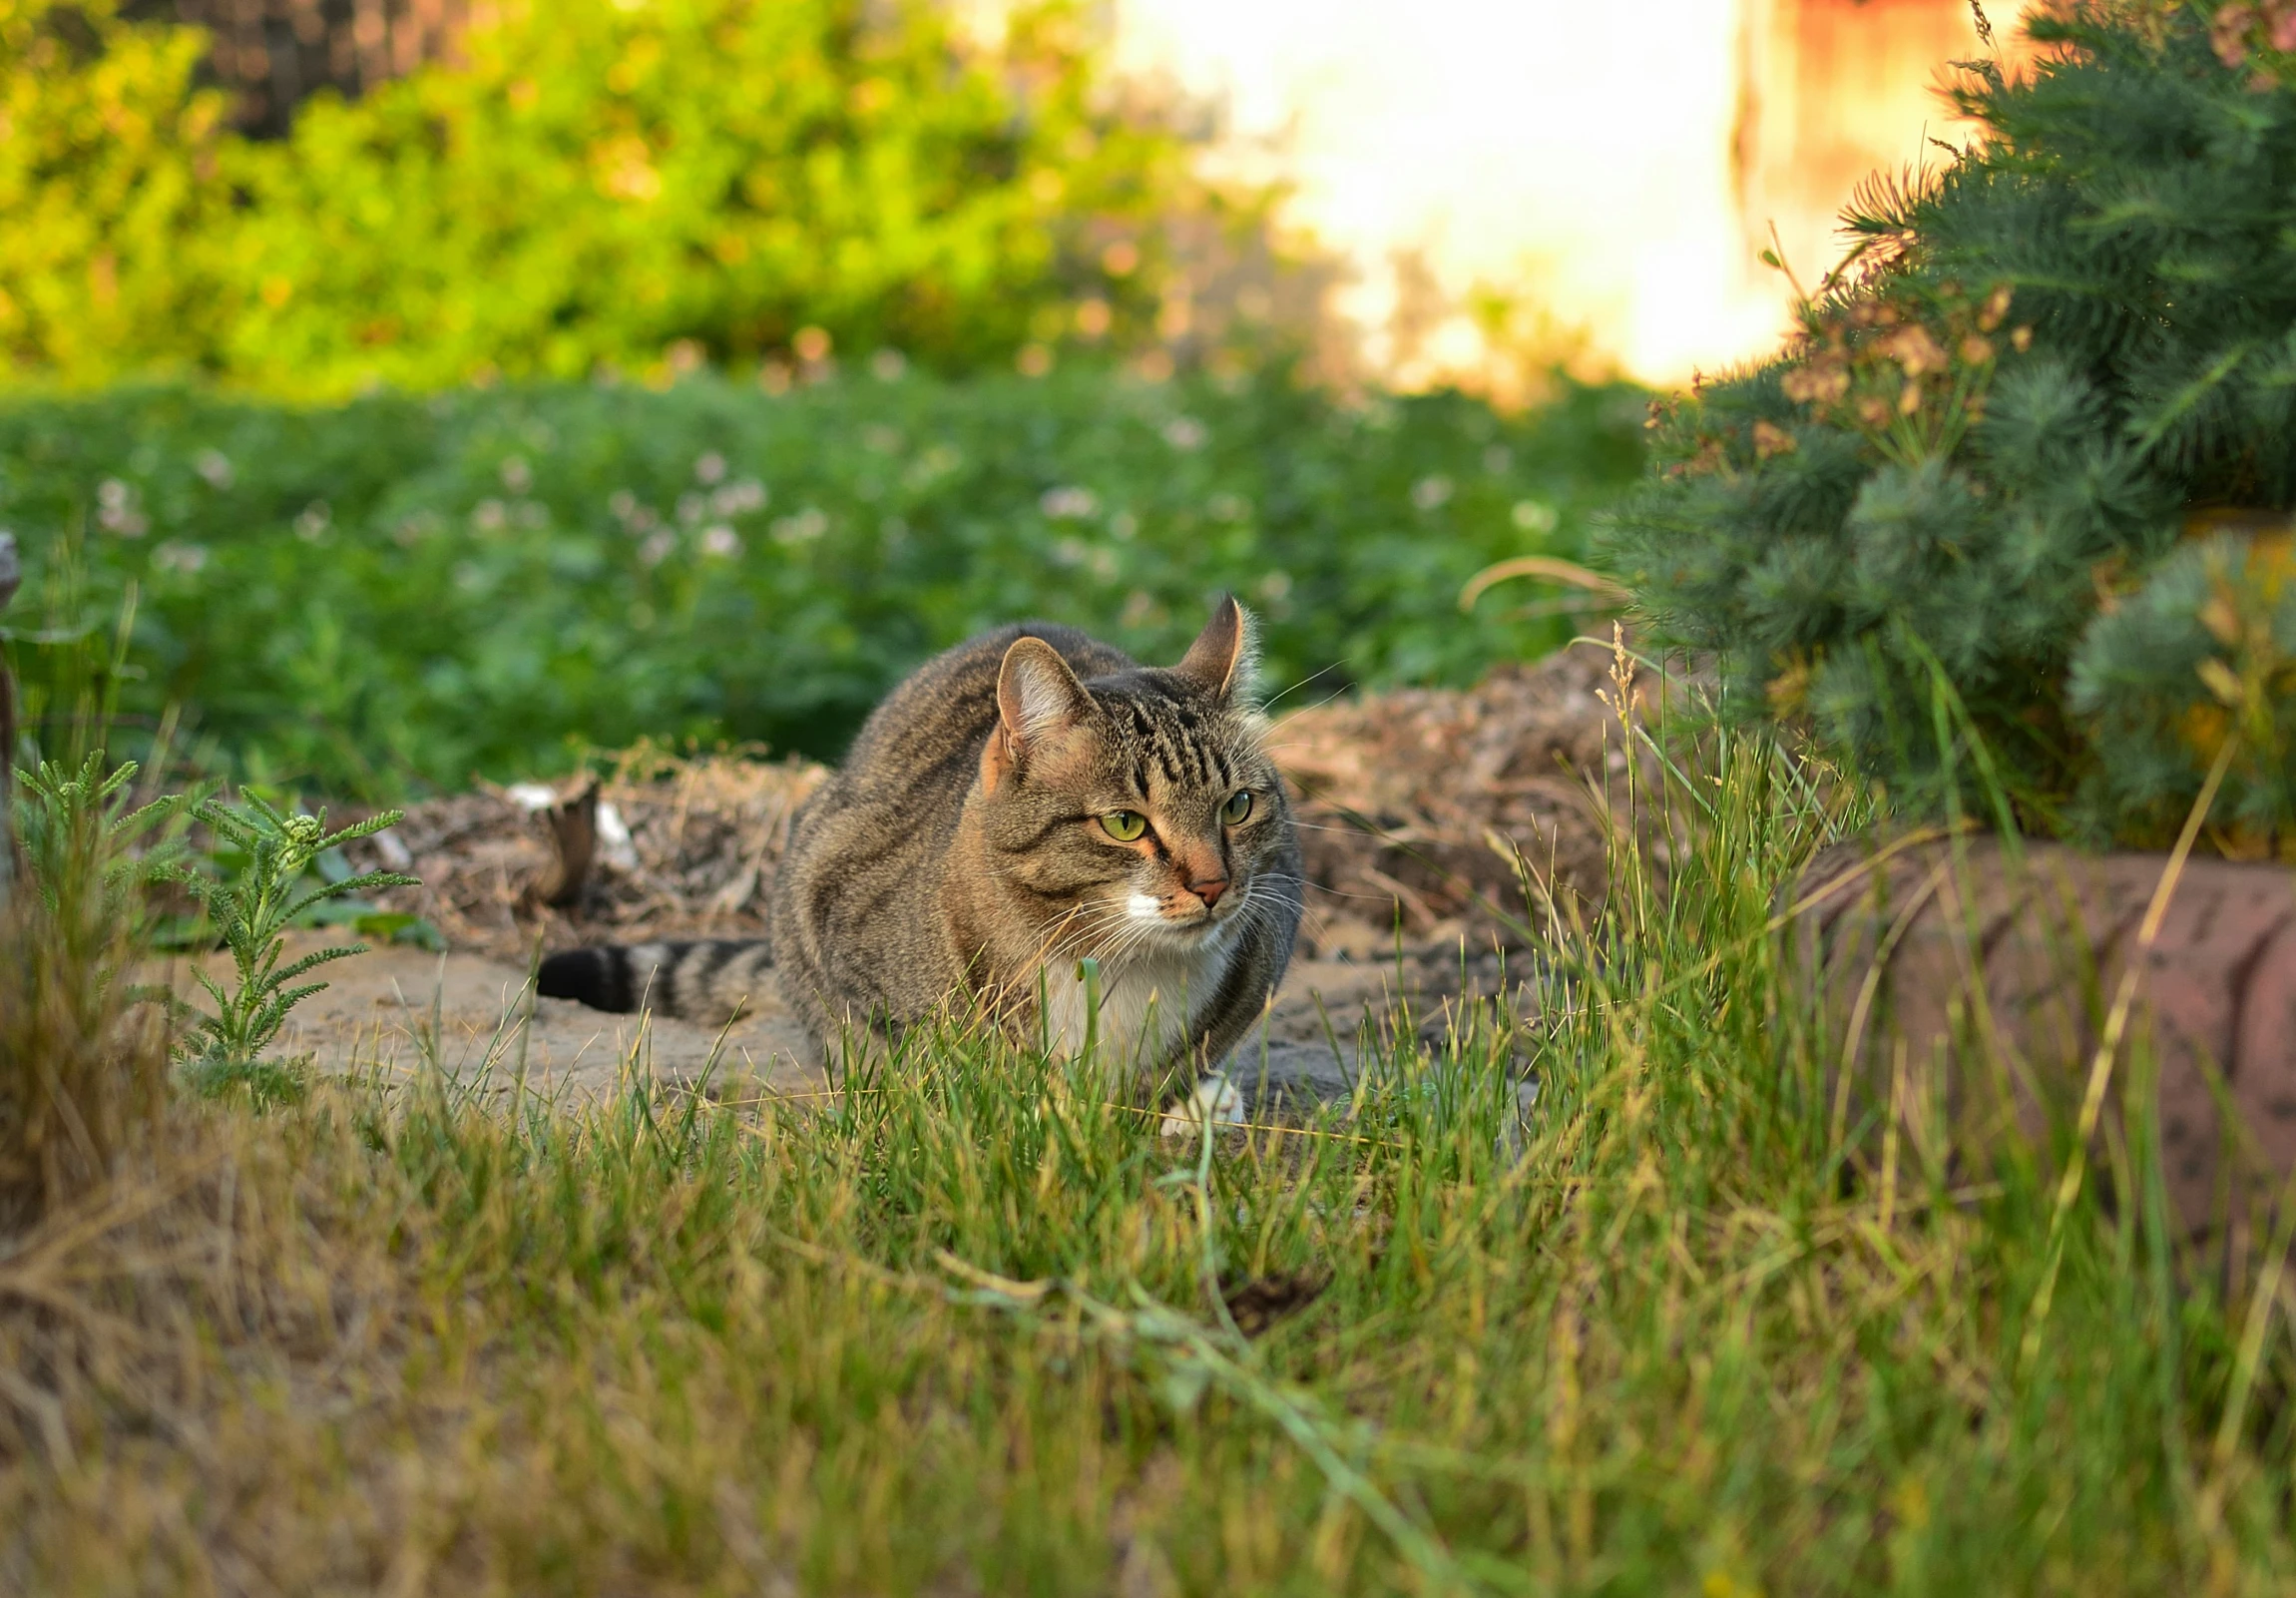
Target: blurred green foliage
[[479, 580], [2203, 656], [113, 195], [593, 185]]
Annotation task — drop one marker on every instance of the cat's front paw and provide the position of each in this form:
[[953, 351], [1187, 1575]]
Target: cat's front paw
[[1213, 1102]]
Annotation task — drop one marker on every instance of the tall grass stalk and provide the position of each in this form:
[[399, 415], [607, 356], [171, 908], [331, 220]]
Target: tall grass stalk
[[83, 1068]]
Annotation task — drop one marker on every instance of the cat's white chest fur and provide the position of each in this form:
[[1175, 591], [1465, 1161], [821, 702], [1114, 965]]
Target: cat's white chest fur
[[1146, 997]]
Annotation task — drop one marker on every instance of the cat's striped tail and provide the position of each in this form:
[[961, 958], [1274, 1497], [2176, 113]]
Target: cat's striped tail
[[705, 979]]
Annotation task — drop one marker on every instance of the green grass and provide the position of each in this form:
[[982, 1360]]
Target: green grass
[[407, 591], [961, 1329]]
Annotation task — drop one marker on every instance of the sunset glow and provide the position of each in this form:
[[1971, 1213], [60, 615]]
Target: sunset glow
[[1618, 165]]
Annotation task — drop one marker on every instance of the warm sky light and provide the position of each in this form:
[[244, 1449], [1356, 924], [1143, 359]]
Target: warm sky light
[[1583, 151]]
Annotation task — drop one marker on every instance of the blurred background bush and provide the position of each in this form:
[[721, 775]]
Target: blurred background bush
[[588, 187]]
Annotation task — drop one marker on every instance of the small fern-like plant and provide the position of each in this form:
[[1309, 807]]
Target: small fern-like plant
[[79, 828], [83, 1069], [251, 911]]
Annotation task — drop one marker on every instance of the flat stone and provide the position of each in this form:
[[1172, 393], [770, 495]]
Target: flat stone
[[1944, 978], [397, 1011]]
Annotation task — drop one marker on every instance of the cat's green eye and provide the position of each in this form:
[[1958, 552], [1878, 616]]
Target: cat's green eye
[[1124, 825], [1237, 808]]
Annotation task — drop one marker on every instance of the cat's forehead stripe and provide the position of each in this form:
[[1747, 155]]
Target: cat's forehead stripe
[[1150, 717]]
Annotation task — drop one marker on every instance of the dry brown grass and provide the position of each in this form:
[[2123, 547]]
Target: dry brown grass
[[219, 1373], [82, 1071]]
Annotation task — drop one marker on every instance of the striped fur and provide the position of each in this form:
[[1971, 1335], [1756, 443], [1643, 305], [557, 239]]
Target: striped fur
[[961, 853], [705, 979]]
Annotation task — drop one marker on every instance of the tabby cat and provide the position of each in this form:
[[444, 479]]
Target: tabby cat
[[1025, 800]]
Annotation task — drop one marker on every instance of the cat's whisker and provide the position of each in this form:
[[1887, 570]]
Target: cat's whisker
[[1346, 893], [1295, 714], [1266, 705]]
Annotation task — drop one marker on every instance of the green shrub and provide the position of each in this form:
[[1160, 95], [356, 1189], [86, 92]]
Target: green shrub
[[2203, 655], [424, 588], [2082, 329], [595, 184], [112, 187]]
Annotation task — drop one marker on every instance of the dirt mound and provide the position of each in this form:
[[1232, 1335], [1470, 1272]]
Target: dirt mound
[[683, 846], [1433, 807], [1419, 809]]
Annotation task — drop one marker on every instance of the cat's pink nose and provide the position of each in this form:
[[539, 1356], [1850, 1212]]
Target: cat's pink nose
[[1210, 891]]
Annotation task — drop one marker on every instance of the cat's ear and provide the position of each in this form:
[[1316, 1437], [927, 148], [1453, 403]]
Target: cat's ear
[[1220, 660], [1036, 697]]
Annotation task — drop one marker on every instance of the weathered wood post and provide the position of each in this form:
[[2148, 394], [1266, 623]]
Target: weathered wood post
[[11, 573]]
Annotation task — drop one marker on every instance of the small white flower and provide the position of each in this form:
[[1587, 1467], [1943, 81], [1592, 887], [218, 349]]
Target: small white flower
[[1226, 508], [888, 366], [489, 516], [117, 511], [1184, 432], [1274, 585], [657, 547], [1068, 504], [1431, 493], [880, 439], [807, 525], [710, 468], [1498, 460], [1123, 525], [691, 508], [214, 466], [311, 525], [623, 503], [1533, 516], [175, 557], [738, 498], [517, 475], [720, 541]]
